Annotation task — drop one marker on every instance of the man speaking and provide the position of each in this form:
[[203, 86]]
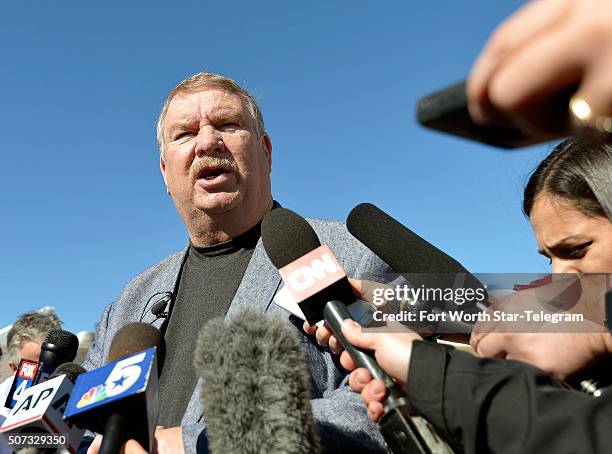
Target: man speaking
[[216, 160]]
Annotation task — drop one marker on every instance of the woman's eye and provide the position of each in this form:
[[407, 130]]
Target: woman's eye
[[577, 252]]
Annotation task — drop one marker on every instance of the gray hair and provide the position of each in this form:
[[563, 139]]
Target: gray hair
[[29, 327], [204, 80]]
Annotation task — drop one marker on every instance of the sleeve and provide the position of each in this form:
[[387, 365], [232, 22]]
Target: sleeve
[[95, 354], [504, 406]]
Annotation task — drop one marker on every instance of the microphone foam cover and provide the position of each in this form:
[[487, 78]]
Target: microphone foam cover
[[255, 386], [401, 248], [136, 337], [70, 369], [287, 236]]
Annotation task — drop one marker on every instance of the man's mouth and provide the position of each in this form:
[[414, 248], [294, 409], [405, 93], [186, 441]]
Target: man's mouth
[[210, 173]]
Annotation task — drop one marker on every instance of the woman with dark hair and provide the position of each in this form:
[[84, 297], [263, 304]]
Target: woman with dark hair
[[568, 200]]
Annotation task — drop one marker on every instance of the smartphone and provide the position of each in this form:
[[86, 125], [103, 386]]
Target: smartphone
[[446, 111]]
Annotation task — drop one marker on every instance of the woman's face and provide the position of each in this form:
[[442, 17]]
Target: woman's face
[[573, 241]]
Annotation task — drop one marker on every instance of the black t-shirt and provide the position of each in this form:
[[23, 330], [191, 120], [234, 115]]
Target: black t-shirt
[[209, 280]]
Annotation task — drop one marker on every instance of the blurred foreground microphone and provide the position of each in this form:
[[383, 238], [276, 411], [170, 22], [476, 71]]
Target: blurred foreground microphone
[[58, 347], [40, 410], [119, 400], [255, 387], [321, 288], [418, 260]]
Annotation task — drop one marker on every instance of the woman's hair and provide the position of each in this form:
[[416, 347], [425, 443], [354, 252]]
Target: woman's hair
[[579, 171]]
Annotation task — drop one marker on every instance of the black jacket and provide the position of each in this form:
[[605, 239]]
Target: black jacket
[[504, 406]]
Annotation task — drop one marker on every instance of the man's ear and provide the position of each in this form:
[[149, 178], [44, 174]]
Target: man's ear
[[12, 366], [267, 147], [162, 167]]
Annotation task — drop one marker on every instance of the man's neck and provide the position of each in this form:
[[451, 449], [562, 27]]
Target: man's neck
[[207, 231]]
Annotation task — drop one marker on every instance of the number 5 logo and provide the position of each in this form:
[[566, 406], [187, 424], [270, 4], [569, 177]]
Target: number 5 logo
[[124, 374]]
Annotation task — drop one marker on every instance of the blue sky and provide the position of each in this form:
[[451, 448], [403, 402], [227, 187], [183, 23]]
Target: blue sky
[[83, 207]]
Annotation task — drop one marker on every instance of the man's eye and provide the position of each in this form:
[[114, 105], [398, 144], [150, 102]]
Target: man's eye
[[182, 135], [229, 127]]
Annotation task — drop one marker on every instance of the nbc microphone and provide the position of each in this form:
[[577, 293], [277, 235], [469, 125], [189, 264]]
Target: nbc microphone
[[119, 399]]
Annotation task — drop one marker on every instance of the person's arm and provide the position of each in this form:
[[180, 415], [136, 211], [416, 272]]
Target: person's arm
[[483, 404], [503, 405]]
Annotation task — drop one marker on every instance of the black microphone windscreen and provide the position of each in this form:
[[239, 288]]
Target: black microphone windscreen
[[401, 248], [159, 307], [71, 370], [255, 386], [58, 347], [136, 337], [287, 236]]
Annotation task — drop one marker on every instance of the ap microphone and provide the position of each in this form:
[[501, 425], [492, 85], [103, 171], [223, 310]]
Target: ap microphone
[[321, 288], [255, 386], [40, 410], [58, 347], [119, 399]]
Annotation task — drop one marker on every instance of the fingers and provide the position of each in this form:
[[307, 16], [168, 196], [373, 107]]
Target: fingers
[[308, 329], [359, 378], [521, 29], [133, 447], [374, 391], [375, 411], [346, 361], [94, 447], [353, 333], [493, 345]]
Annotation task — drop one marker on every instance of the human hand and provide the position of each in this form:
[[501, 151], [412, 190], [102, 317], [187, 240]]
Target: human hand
[[544, 48], [392, 352], [562, 348], [363, 290]]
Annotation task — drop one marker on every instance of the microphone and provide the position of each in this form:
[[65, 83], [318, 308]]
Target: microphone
[[158, 309], [40, 410], [119, 399], [255, 386], [70, 370], [321, 288], [25, 377], [420, 262], [59, 347]]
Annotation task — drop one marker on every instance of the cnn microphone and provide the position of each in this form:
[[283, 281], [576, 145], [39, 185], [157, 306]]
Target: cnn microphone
[[321, 288], [40, 411], [119, 399], [255, 386]]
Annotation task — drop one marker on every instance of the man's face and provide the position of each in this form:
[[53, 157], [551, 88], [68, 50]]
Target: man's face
[[30, 351], [214, 162]]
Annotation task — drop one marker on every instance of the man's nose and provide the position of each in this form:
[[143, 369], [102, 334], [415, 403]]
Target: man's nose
[[209, 142]]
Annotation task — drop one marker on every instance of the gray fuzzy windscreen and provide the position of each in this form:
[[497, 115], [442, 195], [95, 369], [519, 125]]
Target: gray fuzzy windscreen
[[256, 386]]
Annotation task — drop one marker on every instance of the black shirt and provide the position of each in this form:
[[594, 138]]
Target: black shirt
[[208, 282]]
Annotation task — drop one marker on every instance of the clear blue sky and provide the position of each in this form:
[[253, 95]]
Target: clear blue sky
[[83, 207]]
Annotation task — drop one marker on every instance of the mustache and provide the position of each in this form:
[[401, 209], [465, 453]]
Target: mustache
[[212, 161]]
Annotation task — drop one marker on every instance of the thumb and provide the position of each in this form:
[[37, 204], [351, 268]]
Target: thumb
[[354, 334]]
